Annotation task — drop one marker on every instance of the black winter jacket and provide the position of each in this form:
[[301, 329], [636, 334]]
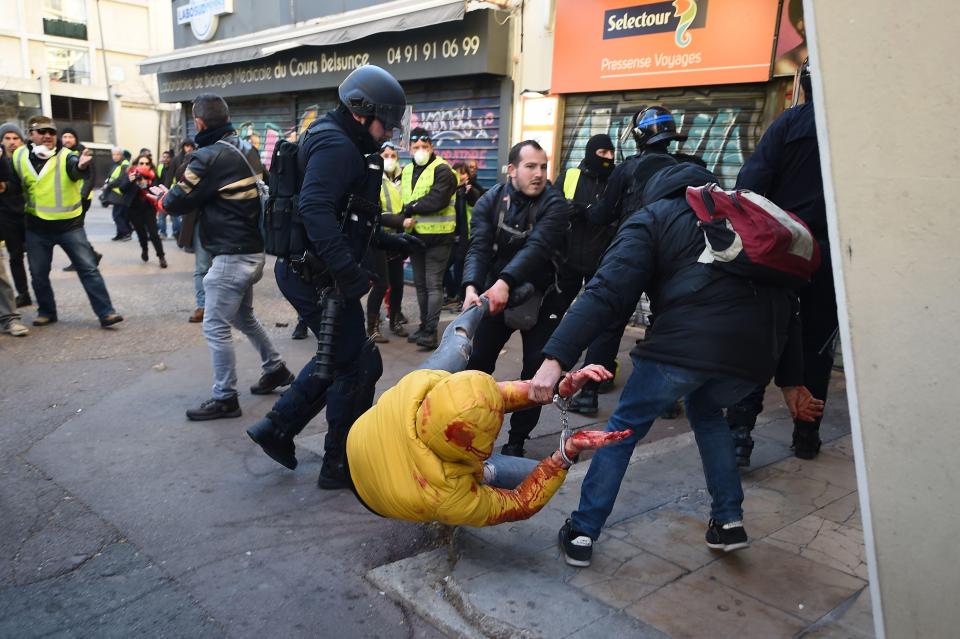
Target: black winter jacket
[[707, 320], [635, 171], [588, 241], [220, 185], [496, 254], [11, 200]]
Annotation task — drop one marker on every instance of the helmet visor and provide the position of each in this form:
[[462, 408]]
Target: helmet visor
[[391, 115]]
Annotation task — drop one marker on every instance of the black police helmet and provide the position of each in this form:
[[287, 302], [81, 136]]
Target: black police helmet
[[655, 124], [369, 90]]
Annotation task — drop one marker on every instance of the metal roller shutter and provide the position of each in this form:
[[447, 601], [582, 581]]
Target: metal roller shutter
[[724, 123], [312, 105], [463, 117], [263, 120]]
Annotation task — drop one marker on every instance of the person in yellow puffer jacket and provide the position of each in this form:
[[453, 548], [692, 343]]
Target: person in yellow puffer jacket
[[424, 452]]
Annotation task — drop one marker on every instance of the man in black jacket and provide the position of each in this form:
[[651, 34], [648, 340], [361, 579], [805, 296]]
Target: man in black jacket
[[715, 337], [12, 225], [342, 174], [583, 187], [785, 168], [517, 233], [221, 182]]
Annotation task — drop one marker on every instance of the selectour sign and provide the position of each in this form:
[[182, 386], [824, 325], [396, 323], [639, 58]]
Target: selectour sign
[[660, 17], [203, 16]]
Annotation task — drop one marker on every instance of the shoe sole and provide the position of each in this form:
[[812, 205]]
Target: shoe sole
[[729, 547], [207, 418], [578, 563], [261, 391]]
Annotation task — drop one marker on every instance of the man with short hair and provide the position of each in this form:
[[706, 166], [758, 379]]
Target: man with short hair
[[165, 175], [428, 187], [221, 181], [51, 178], [12, 225], [111, 195], [518, 231]]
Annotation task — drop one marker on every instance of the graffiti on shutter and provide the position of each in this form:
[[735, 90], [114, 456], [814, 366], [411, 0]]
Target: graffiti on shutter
[[723, 124]]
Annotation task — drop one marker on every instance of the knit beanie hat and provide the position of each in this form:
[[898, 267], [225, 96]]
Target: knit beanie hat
[[11, 127]]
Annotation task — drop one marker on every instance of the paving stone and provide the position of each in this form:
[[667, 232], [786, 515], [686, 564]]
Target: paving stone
[[831, 465], [621, 574], [844, 511], [698, 606], [793, 584], [780, 498], [673, 534], [825, 542]]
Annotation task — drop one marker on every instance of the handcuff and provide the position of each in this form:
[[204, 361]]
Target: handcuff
[[563, 404]]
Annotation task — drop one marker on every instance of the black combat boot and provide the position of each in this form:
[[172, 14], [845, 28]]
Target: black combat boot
[[742, 421], [275, 441], [269, 382], [373, 329], [396, 326], [333, 475], [806, 439], [585, 403]]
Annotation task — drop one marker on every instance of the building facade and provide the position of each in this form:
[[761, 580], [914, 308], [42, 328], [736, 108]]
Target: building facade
[[76, 61]]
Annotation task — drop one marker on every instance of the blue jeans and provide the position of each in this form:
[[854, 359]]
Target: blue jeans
[[505, 471], [229, 290], [162, 223], [120, 219], [201, 264], [75, 244], [652, 387]]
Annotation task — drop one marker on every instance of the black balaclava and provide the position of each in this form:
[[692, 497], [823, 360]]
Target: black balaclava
[[601, 166]]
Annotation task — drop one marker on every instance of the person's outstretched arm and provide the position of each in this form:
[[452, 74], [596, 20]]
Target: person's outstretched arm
[[516, 394]]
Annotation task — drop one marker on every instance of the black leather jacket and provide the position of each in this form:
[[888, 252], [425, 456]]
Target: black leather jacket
[[496, 253], [220, 185]]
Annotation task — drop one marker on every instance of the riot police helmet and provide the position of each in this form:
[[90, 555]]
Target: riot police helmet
[[654, 125], [369, 90]]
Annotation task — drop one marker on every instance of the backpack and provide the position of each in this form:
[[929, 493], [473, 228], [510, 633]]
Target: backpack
[[281, 225], [749, 236]]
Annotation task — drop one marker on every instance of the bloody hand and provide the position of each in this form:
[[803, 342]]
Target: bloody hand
[[593, 439], [803, 406], [576, 380]]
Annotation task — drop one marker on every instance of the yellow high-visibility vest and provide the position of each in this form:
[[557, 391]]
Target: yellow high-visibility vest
[[444, 220], [390, 200], [116, 173], [49, 194], [570, 181]]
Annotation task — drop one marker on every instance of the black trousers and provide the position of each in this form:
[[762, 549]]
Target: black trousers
[[13, 232], [378, 262], [145, 224], [490, 339], [818, 314], [603, 349]]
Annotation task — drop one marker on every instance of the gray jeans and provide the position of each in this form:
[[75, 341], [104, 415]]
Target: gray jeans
[[428, 268], [229, 291], [8, 306]]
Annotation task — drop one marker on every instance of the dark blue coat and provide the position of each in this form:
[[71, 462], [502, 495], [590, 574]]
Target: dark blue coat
[[705, 319]]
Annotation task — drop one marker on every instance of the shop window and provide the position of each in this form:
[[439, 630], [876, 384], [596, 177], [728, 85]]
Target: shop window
[[65, 18], [66, 64]]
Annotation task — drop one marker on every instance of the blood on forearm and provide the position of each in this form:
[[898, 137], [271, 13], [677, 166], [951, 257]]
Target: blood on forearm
[[516, 395], [530, 496]]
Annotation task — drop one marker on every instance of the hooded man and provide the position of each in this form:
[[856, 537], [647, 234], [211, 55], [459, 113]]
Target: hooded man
[[70, 139], [424, 452], [583, 187], [716, 336]]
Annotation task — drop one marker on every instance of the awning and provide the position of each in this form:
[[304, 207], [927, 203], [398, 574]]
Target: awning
[[400, 15]]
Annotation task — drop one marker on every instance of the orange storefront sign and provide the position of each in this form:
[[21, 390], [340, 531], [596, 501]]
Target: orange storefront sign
[[610, 45]]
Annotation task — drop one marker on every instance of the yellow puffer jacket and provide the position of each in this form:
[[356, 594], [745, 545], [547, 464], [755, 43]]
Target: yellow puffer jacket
[[418, 453]]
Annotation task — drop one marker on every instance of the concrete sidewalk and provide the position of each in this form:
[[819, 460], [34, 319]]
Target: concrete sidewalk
[[652, 576]]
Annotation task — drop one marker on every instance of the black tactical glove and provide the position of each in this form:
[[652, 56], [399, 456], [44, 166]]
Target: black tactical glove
[[353, 282], [400, 243]]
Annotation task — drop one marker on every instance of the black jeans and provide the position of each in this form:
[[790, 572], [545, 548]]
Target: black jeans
[[145, 224], [603, 349], [395, 277], [490, 339], [379, 288], [13, 232]]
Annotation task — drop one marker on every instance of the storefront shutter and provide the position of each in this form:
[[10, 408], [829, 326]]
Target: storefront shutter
[[263, 120], [724, 123], [463, 117]]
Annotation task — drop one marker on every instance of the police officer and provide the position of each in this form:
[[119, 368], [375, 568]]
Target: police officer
[[583, 186], [323, 279], [517, 233]]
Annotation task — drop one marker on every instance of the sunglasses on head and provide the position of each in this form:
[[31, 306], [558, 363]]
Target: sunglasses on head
[[419, 138], [46, 131]]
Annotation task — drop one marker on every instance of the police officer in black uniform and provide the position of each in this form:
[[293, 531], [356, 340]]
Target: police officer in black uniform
[[322, 277]]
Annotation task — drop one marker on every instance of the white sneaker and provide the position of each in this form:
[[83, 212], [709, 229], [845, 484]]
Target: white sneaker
[[16, 329]]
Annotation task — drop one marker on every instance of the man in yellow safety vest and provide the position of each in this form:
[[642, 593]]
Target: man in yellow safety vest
[[428, 188], [51, 178]]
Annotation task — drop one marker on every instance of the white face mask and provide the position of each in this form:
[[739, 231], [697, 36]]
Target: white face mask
[[42, 152], [421, 156], [390, 165]]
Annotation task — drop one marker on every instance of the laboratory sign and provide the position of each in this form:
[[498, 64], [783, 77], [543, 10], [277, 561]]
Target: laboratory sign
[[477, 44], [612, 45]]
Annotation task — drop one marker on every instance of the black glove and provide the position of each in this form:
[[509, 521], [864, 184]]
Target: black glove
[[353, 282], [400, 243], [374, 178]]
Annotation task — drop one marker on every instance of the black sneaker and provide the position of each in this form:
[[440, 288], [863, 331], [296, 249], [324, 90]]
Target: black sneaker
[[513, 450], [215, 409], [428, 341], [269, 382], [585, 403], [577, 548], [416, 335], [726, 537], [24, 300], [110, 320]]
